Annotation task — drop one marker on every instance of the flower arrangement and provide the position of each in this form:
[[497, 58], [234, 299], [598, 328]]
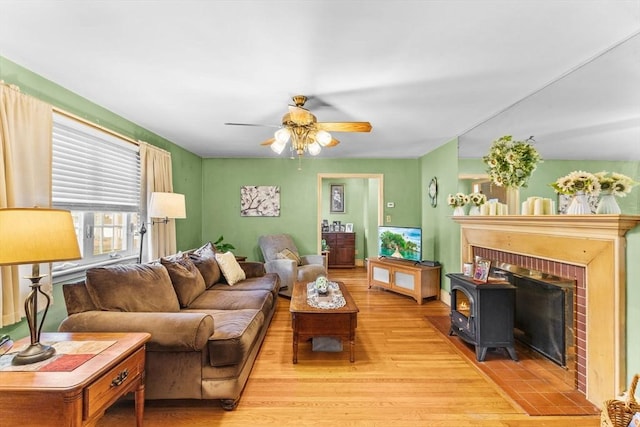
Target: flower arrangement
[[577, 181], [457, 200], [510, 162], [618, 184], [477, 199]]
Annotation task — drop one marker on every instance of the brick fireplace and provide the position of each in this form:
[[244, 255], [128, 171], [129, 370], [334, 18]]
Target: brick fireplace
[[589, 249]]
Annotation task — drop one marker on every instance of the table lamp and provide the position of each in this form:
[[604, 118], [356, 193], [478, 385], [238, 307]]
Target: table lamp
[[166, 206], [33, 236]]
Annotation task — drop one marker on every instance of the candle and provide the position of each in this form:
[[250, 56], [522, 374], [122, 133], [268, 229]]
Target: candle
[[537, 207]]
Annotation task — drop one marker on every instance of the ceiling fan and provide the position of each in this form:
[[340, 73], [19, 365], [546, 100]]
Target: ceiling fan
[[306, 134]]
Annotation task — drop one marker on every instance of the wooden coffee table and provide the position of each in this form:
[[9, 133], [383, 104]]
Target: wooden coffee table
[[309, 322], [78, 397]]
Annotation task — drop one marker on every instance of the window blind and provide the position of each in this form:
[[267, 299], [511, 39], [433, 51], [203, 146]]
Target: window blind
[[92, 169]]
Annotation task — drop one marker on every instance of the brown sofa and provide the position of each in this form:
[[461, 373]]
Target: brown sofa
[[205, 333]]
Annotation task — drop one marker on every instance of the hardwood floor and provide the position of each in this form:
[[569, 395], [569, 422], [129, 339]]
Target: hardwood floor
[[404, 374]]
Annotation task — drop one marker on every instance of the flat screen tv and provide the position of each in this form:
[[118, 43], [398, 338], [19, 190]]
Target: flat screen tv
[[400, 242]]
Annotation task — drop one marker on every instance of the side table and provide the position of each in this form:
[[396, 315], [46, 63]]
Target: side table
[[78, 397]]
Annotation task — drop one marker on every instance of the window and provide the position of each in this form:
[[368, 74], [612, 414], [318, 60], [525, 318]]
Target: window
[[97, 177]]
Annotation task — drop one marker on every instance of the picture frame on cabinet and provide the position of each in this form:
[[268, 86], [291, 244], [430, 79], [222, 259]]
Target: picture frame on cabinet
[[348, 227]]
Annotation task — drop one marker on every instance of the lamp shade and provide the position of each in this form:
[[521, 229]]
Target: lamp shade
[[37, 235], [167, 205]]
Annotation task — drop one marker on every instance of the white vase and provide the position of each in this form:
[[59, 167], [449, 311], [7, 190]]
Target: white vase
[[608, 204], [579, 205], [458, 211], [474, 210]]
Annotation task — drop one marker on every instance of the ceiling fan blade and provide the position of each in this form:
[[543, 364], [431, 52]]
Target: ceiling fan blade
[[268, 141], [252, 124], [333, 143], [344, 126]]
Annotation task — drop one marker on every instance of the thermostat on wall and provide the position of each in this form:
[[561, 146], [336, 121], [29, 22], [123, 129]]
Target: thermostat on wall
[[391, 205]]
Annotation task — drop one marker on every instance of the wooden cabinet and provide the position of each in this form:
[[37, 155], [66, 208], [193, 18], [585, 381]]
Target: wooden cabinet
[[405, 277], [482, 314], [50, 397], [342, 249]]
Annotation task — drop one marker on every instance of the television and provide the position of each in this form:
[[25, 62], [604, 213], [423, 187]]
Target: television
[[400, 243]]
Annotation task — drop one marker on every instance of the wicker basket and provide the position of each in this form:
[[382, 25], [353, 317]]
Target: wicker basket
[[618, 413]]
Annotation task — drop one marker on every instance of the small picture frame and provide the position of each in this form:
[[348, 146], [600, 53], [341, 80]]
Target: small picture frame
[[337, 198], [348, 227], [481, 270]]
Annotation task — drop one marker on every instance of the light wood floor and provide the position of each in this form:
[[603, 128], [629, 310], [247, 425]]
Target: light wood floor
[[405, 374]]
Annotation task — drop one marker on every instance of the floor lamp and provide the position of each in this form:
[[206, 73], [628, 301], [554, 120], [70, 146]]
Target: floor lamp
[[166, 206], [34, 236]]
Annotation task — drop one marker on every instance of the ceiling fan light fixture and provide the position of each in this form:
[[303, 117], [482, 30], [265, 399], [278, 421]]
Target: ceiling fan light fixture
[[278, 146], [323, 137], [314, 148], [282, 135]]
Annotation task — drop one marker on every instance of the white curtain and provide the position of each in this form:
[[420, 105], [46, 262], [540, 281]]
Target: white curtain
[[156, 175], [25, 180]]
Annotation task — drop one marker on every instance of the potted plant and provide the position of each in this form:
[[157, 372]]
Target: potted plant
[[221, 246]]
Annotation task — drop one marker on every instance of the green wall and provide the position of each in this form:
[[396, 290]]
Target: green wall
[[222, 179], [440, 235]]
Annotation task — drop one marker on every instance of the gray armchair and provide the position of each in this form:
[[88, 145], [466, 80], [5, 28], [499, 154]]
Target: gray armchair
[[289, 270]]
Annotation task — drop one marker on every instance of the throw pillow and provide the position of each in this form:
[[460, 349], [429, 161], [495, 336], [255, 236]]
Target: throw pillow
[[186, 279], [132, 287], [204, 259], [230, 268], [287, 253]]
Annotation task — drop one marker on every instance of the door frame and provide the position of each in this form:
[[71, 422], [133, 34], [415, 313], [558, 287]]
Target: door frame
[[321, 176]]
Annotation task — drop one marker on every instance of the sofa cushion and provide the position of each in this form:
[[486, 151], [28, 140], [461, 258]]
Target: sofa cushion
[[268, 282], [287, 253], [185, 277], [204, 259], [236, 332], [132, 287], [77, 298], [230, 268], [262, 300]]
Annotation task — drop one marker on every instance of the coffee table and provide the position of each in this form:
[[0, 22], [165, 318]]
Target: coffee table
[[309, 322]]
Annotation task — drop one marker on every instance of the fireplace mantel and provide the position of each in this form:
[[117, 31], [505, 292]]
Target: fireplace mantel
[[595, 242]]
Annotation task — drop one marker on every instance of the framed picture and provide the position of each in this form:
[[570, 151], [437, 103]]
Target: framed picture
[[349, 227], [259, 200], [481, 270], [337, 198]]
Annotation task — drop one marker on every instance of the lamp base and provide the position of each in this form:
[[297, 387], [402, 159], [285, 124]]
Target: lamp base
[[34, 353]]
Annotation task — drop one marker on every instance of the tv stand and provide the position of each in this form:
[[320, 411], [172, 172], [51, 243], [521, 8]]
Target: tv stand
[[415, 280]]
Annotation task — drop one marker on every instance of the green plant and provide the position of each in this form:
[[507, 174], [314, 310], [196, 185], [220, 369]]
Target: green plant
[[220, 246], [511, 163]]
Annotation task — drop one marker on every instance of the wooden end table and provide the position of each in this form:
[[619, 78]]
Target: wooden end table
[[309, 322], [78, 397]]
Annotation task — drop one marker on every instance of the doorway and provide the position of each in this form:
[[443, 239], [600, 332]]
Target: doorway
[[378, 199]]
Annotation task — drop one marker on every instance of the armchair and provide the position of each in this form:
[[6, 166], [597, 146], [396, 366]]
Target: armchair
[[291, 267]]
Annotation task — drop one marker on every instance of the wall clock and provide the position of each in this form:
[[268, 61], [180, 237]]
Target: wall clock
[[433, 191]]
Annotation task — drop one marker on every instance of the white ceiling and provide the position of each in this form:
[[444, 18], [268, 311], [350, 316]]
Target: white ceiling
[[422, 72]]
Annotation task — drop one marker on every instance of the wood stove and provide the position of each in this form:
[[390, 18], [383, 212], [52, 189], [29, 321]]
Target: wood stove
[[482, 314]]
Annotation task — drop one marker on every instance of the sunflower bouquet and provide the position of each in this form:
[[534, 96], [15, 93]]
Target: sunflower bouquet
[[616, 183], [457, 200]]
